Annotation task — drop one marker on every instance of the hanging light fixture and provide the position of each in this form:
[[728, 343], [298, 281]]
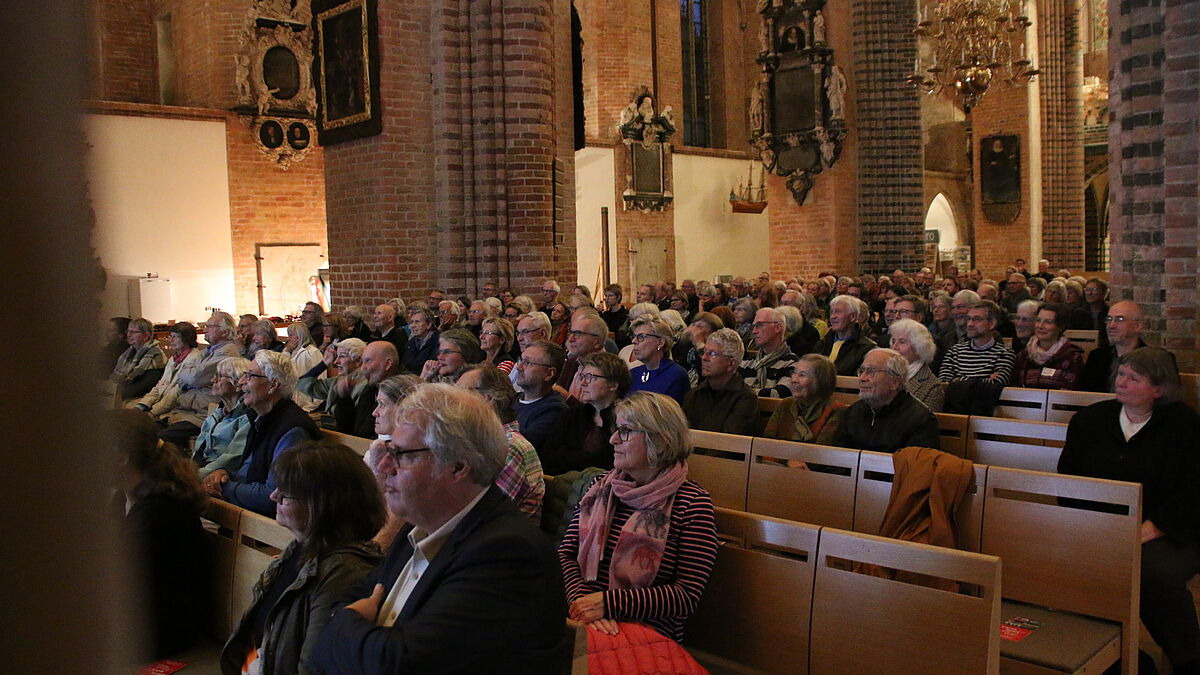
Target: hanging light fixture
[[976, 45]]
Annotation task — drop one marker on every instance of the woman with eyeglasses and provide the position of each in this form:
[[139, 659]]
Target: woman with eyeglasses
[[327, 498], [652, 341], [222, 438], [1049, 360], [457, 349], [140, 366], [585, 428], [496, 339], [643, 541]]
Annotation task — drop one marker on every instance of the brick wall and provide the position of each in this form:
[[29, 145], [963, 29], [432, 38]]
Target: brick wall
[[1061, 62], [125, 68], [1154, 105], [1004, 110]]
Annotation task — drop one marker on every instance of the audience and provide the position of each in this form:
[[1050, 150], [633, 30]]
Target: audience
[[114, 346], [643, 541], [423, 342], [1091, 315], [305, 356], [182, 364], [1123, 327], [470, 584], [652, 340], [744, 310], [981, 356], [583, 431], [845, 344], [587, 335], [960, 302], [457, 349], [384, 319], [496, 338], [1049, 360], [1025, 322], [531, 328], [768, 371], [722, 401], [809, 415], [885, 417], [803, 335], [1145, 435], [313, 316], [195, 391], [614, 313], [350, 396], [264, 335], [328, 500], [279, 424], [140, 366], [912, 341], [539, 406], [222, 438]]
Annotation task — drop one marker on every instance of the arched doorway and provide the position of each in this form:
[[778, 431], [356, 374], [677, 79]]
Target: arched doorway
[[939, 218]]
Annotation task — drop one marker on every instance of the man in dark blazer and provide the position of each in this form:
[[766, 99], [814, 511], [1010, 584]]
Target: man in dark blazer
[[470, 584]]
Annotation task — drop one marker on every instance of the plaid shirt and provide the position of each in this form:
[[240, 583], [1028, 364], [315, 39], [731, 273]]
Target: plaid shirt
[[521, 476]]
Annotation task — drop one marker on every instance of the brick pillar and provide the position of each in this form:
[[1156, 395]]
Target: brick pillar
[[127, 67], [891, 216], [460, 186], [1003, 111], [1061, 62], [1153, 149]]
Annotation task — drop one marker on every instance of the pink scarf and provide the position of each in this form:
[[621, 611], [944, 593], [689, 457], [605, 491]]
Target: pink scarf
[[180, 355], [1041, 356], [643, 538]]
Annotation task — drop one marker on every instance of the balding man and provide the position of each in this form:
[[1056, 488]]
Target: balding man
[[350, 396], [384, 318], [886, 418], [467, 566], [1123, 325], [769, 372], [195, 388]]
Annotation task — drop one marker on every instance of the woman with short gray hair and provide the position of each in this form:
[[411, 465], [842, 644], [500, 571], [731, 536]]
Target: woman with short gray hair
[[652, 340], [140, 366], [496, 339], [222, 438], [913, 341]]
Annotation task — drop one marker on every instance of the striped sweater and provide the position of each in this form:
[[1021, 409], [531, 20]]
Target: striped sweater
[[965, 362], [691, 550]]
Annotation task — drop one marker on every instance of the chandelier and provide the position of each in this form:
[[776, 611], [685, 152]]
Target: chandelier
[[975, 45]]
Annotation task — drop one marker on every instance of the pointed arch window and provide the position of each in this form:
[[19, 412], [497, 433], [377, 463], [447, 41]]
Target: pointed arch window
[[693, 32]]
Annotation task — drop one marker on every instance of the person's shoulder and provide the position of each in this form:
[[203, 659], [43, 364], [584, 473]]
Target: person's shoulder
[[692, 491]]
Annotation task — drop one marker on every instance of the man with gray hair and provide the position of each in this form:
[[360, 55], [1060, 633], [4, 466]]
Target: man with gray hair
[[280, 424], [959, 304], [195, 388], [722, 401], [886, 418], [804, 340], [769, 372], [550, 291], [587, 335], [468, 563], [531, 328]]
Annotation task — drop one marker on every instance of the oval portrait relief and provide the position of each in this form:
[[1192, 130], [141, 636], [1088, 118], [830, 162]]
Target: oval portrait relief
[[270, 134], [298, 135], [281, 72]]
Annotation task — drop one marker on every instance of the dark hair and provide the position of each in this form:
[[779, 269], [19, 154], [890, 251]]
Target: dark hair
[[553, 351], [122, 323], [993, 310], [610, 366], [186, 333], [338, 492], [1157, 365], [1061, 314], [920, 306], [164, 469]]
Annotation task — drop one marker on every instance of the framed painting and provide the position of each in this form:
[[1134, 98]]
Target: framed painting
[[347, 70]]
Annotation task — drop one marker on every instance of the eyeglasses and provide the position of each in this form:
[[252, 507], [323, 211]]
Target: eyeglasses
[[250, 374], [714, 354], [760, 324], [624, 433], [588, 378], [641, 337], [396, 453], [443, 352], [580, 333], [489, 332], [528, 331], [906, 312], [870, 371], [525, 363], [1117, 318]]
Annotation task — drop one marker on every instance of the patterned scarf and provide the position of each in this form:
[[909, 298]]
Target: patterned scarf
[[1041, 356], [643, 538]]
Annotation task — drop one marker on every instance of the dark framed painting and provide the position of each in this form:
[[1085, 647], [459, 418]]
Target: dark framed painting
[[346, 70], [1000, 177]]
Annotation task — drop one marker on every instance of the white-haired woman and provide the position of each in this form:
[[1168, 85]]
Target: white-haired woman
[[652, 342], [643, 541], [845, 344], [304, 355], [916, 345], [280, 424], [625, 334], [222, 438]]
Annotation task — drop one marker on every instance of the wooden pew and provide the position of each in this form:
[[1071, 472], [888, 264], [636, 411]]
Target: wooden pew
[[221, 533], [1086, 339], [846, 389], [755, 609], [1020, 403], [822, 493], [721, 464], [766, 408], [355, 443], [1077, 561], [871, 624], [1190, 389], [1015, 443], [1062, 405], [952, 433], [260, 540], [875, 475]]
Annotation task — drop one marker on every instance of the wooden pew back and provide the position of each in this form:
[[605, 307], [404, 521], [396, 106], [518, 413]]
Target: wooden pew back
[[821, 493], [952, 433], [721, 463], [221, 535], [1086, 339], [355, 443], [863, 623], [260, 540], [1015, 443], [1019, 403], [1062, 405]]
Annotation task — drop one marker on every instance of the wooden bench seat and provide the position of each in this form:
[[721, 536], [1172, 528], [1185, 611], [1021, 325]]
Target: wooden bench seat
[[1015, 443], [721, 463], [1062, 405], [821, 492], [260, 540]]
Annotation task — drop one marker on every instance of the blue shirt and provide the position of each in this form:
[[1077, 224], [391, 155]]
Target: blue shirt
[[669, 378]]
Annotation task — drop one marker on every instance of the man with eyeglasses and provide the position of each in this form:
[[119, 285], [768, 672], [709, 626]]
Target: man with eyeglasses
[[960, 302], [1124, 326], [539, 406], [587, 335], [722, 402], [978, 368], [886, 418], [470, 584], [195, 389], [769, 372], [1024, 323]]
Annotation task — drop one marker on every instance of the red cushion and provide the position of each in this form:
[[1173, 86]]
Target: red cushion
[[638, 650]]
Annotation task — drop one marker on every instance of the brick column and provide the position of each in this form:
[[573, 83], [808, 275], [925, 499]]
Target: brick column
[[1061, 62], [1154, 105]]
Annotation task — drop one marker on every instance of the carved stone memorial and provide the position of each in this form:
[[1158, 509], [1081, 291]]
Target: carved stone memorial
[[646, 134]]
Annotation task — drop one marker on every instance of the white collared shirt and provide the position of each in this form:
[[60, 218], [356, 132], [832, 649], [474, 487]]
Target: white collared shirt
[[425, 548]]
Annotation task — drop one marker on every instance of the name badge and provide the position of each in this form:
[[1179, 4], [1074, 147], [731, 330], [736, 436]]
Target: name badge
[[1047, 372]]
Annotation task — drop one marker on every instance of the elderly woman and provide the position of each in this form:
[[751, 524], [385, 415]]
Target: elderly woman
[[1095, 308], [160, 501], [652, 340], [423, 341], [280, 424], [678, 301], [690, 349], [264, 335], [390, 393], [525, 303], [810, 415], [1145, 435], [339, 391], [845, 344], [560, 322], [707, 295], [1055, 293], [457, 349], [305, 356], [1049, 360], [941, 322], [743, 314], [521, 478], [625, 335], [140, 366], [496, 340], [584, 429], [1074, 299], [913, 341], [183, 362], [328, 500], [222, 438], [643, 541]]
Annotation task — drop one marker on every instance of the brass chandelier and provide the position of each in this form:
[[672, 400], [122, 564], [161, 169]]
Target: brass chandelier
[[976, 44]]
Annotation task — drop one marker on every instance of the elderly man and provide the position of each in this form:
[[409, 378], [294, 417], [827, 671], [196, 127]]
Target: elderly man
[[1124, 325], [476, 313], [688, 286], [1015, 291], [1024, 323], [350, 396], [531, 328], [435, 296], [845, 343], [313, 316], [960, 302], [550, 291], [195, 388], [722, 401], [279, 424], [769, 372], [386, 329], [587, 335], [488, 290], [645, 293], [245, 334], [539, 406], [448, 312], [471, 584], [1044, 270], [886, 418], [806, 338]]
